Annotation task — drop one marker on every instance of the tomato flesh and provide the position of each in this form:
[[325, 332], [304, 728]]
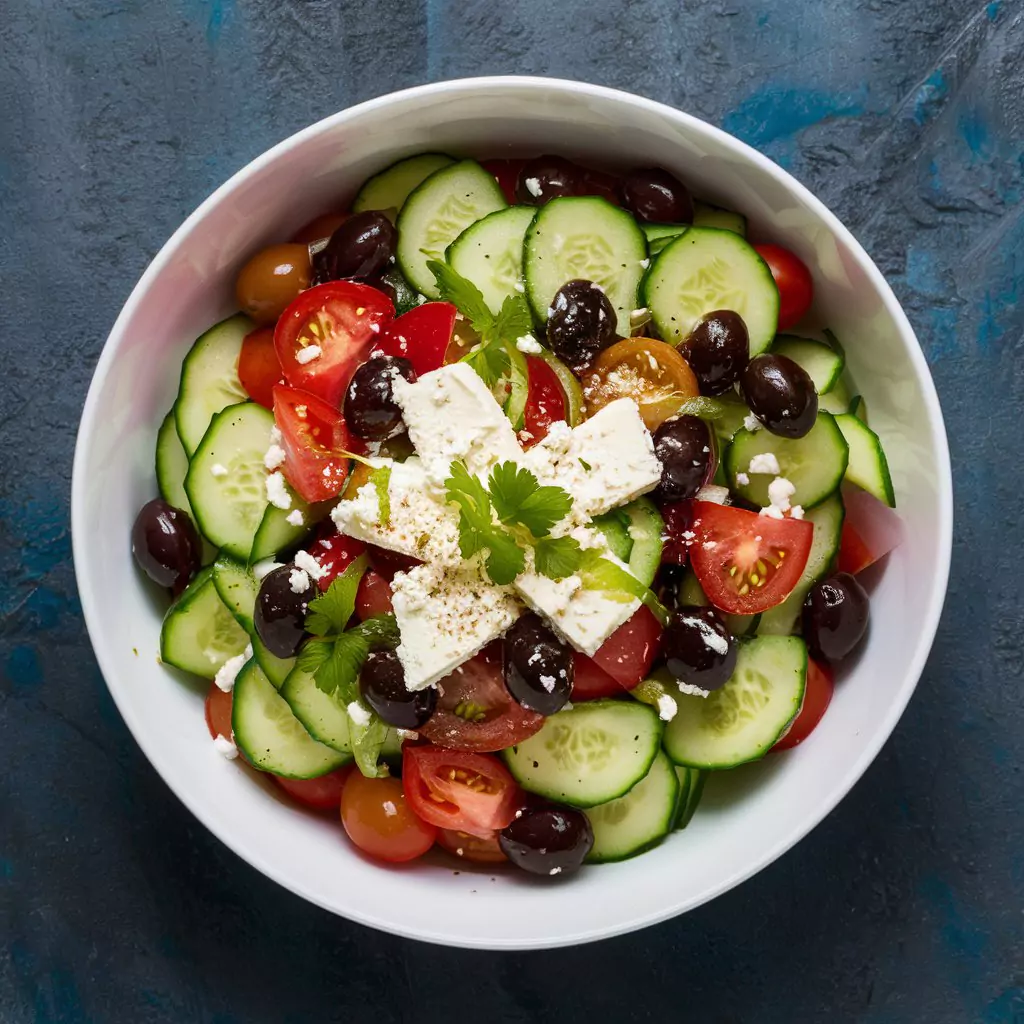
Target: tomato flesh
[[545, 402], [218, 712], [506, 173], [854, 555], [380, 822], [460, 790], [476, 711], [322, 794], [678, 518], [590, 681], [373, 596], [422, 336], [339, 319], [258, 366], [476, 849], [747, 563], [334, 552], [870, 530], [627, 655], [794, 281], [817, 697]]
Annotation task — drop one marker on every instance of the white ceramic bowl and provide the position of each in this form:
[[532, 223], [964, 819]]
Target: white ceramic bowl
[[750, 816]]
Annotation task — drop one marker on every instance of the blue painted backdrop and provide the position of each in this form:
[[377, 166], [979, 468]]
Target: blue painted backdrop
[[119, 116]]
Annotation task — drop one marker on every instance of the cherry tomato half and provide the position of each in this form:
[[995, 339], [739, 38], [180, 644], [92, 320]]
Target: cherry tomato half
[[793, 279], [545, 401], [590, 681], [747, 563], [373, 596], [854, 555], [258, 366], [218, 712], [338, 318], [322, 793], [471, 848], [870, 530], [457, 789], [817, 697], [422, 336], [379, 820], [334, 551], [678, 518], [506, 173], [627, 655]]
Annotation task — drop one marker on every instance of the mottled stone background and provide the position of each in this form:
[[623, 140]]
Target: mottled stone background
[[118, 116]]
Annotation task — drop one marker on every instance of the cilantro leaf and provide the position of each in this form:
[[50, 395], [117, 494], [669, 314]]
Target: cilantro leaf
[[379, 632], [313, 654], [329, 613], [520, 500], [557, 557], [505, 559], [463, 294], [513, 319]]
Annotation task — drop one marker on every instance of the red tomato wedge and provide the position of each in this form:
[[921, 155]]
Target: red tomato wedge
[[854, 555], [373, 596], [545, 402], [678, 517], [747, 563], [471, 848], [339, 319], [315, 440], [258, 366], [323, 793], [456, 789], [793, 279], [378, 819], [870, 530], [590, 681], [506, 173], [475, 710], [218, 712], [334, 552], [627, 655], [422, 336], [817, 697]]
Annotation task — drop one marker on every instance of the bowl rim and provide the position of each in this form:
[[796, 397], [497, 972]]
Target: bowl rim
[[91, 605]]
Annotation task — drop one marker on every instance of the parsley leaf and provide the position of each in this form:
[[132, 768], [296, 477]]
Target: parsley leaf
[[463, 294], [329, 613], [313, 654], [490, 362], [520, 500], [557, 557], [513, 319]]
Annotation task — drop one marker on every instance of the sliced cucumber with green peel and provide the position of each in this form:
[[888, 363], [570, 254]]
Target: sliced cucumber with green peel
[[692, 593], [570, 385], [707, 269], [226, 480], [836, 401], [490, 253], [325, 718], [639, 820], [437, 212], [614, 527], [743, 720], [274, 668], [595, 752], [389, 189], [275, 533], [815, 463], [646, 529], [659, 235], [209, 379], [691, 789], [824, 365], [734, 412], [584, 237], [270, 736], [199, 633], [237, 588], [827, 519], [171, 467], [707, 216], [858, 407], [868, 467]]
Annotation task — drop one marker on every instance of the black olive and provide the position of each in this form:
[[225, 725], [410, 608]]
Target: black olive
[[382, 685], [655, 196], [683, 447], [835, 617], [370, 409], [581, 323], [538, 666], [547, 177], [363, 247], [717, 350], [166, 545], [548, 840], [280, 612], [699, 650], [780, 394]]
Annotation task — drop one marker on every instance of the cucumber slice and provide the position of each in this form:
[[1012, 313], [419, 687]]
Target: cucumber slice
[[237, 588], [274, 668], [171, 467], [815, 463], [437, 212], [570, 385], [659, 235], [391, 748], [824, 365], [590, 754], [614, 527], [490, 253], [859, 408], [640, 819], [728, 425], [742, 721], [827, 519], [688, 800], [229, 507], [707, 269], [199, 633], [868, 467], [707, 216], [270, 736], [584, 237], [209, 379], [323, 717], [692, 593], [837, 400], [276, 534], [646, 528], [389, 189]]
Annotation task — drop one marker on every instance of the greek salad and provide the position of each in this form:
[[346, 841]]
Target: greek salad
[[513, 504]]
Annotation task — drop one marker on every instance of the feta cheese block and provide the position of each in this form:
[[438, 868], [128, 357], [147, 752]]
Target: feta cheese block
[[451, 414], [446, 616], [606, 461]]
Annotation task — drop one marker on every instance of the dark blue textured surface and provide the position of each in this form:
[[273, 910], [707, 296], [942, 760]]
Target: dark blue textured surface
[[119, 116]]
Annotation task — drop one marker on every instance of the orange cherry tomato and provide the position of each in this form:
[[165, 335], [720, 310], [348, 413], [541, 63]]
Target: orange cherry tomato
[[218, 712], [271, 280], [379, 820], [320, 227]]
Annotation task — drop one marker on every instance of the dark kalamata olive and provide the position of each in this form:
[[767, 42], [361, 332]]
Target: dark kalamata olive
[[547, 177], [668, 585], [836, 615], [538, 666], [548, 840], [699, 649], [371, 411], [581, 323], [363, 247], [717, 350], [780, 394], [683, 447], [382, 685], [280, 612], [166, 545], [657, 197]]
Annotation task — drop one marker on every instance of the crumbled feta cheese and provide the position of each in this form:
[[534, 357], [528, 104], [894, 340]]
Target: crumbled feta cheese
[[295, 517], [772, 512], [225, 747], [780, 490], [548, 682], [529, 344], [645, 263], [307, 354], [275, 434], [533, 187], [638, 313], [796, 512], [555, 871], [764, 463], [265, 568], [519, 286], [691, 690], [390, 810], [714, 640], [407, 734], [228, 672], [277, 492], [275, 457], [375, 327], [667, 708], [742, 479], [298, 580], [218, 470], [713, 493], [751, 422], [359, 714], [534, 658], [305, 561]]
